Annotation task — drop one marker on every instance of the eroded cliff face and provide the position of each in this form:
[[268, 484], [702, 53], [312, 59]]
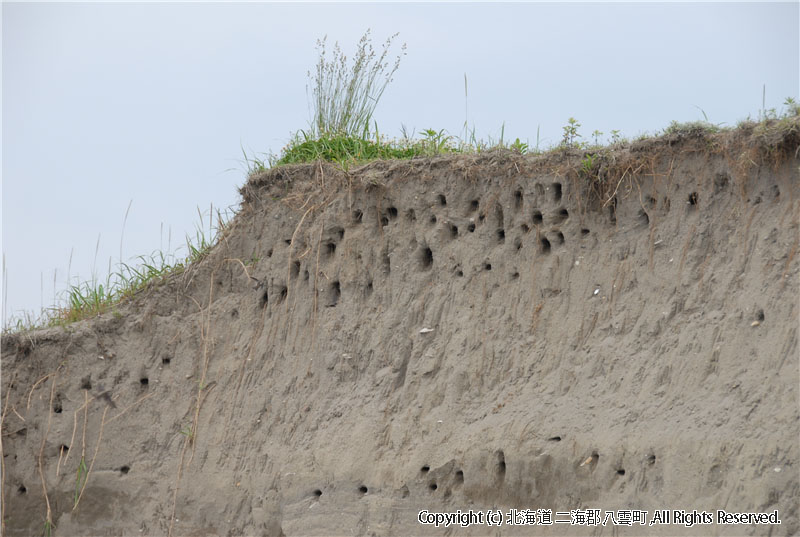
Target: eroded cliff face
[[468, 332]]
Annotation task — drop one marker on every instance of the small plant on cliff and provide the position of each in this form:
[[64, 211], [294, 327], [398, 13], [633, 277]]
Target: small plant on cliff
[[345, 96], [571, 135]]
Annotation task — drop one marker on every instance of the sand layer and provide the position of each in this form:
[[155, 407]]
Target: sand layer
[[470, 332]]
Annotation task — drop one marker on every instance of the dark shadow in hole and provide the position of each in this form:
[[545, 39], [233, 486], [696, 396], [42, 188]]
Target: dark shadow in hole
[[425, 258], [363, 489], [501, 464], [459, 273], [651, 459], [453, 231], [621, 471], [525, 228], [57, 408], [560, 237], [554, 439], [425, 469], [643, 218], [432, 219], [481, 217], [561, 215], [384, 221], [487, 266], [693, 199], [305, 275], [544, 245], [295, 269], [471, 227], [317, 493], [392, 212], [86, 383], [473, 205], [411, 216], [518, 199], [518, 244], [556, 192], [760, 315], [369, 287], [21, 490], [264, 301], [459, 476], [536, 216], [282, 292], [63, 449], [166, 360], [433, 486], [515, 275], [585, 231], [358, 215], [124, 469], [330, 249], [269, 252], [287, 241], [144, 381], [501, 236], [334, 293], [442, 199]]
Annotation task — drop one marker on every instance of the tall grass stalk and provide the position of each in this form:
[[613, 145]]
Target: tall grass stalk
[[345, 96]]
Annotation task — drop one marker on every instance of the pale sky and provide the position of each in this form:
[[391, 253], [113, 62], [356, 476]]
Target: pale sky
[[149, 104]]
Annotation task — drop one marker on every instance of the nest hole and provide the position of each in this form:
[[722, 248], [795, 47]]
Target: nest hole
[[363, 489], [432, 219], [411, 216], [392, 212], [330, 249], [651, 459], [63, 449], [294, 272], [453, 231], [621, 471], [57, 408], [537, 218], [86, 383], [358, 216], [585, 231], [459, 477], [501, 236], [317, 493], [334, 293], [384, 221], [525, 228], [515, 276], [518, 244], [471, 227], [21, 490], [425, 469], [124, 469], [459, 273], [426, 258], [501, 464], [693, 199], [554, 439], [166, 360], [643, 218], [144, 381], [544, 245], [487, 266], [560, 237], [442, 200], [556, 192], [473, 205], [760, 315], [561, 215], [433, 486], [518, 199]]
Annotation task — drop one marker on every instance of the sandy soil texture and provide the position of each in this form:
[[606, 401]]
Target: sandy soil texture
[[479, 332]]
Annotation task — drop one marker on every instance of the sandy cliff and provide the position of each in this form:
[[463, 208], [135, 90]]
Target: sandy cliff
[[465, 332]]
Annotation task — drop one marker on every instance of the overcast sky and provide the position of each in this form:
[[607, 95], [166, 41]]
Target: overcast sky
[[106, 105]]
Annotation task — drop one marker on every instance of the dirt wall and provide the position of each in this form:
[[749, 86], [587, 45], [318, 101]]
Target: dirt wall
[[466, 332]]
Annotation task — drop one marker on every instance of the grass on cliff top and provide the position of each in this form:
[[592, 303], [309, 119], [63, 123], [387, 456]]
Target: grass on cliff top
[[347, 150]]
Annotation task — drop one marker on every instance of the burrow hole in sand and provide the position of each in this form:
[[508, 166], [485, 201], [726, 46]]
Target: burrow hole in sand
[[334, 293], [459, 477], [471, 227], [425, 258], [560, 237], [585, 231], [330, 249], [433, 486], [282, 292], [411, 215], [556, 187], [166, 360], [693, 200], [124, 469], [425, 469], [453, 231], [432, 219], [515, 276], [554, 439], [621, 471], [144, 382], [317, 493], [518, 199], [518, 244], [358, 215], [501, 236], [392, 212], [86, 383], [57, 408], [544, 245], [643, 218], [651, 459], [363, 489], [561, 215], [442, 200], [487, 266], [63, 449], [501, 465], [21, 490], [473, 206], [294, 271], [536, 216]]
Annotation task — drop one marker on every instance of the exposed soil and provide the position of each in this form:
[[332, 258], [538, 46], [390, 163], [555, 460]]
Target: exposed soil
[[468, 332]]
